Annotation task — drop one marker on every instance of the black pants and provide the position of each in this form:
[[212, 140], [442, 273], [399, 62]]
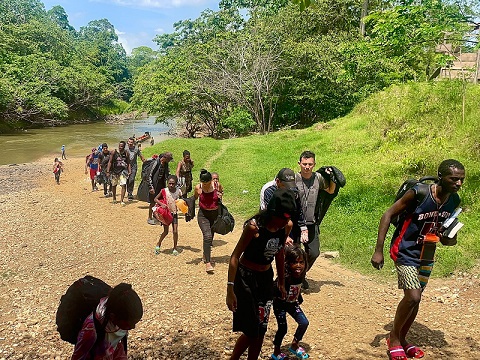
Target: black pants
[[131, 181], [205, 220]]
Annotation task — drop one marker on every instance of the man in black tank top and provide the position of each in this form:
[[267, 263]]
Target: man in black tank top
[[413, 246]]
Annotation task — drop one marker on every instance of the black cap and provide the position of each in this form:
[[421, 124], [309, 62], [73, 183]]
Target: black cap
[[282, 203], [287, 177]]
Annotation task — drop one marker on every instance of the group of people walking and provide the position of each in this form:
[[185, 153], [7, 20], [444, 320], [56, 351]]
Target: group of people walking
[[286, 230]]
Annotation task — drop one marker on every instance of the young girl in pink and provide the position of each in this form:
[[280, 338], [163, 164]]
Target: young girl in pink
[[166, 200]]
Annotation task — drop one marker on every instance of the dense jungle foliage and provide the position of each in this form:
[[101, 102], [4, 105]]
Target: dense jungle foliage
[[253, 65]]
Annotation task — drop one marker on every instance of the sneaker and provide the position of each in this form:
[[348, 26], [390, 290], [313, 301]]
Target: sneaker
[[174, 252], [157, 250], [150, 221], [114, 201], [105, 195], [130, 197], [122, 203]]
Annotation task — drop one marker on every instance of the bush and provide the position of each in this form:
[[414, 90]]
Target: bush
[[240, 122]]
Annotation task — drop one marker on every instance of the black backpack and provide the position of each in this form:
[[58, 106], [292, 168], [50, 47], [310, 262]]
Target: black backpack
[[423, 191], [147, 167], [224, 222], [80, 300]]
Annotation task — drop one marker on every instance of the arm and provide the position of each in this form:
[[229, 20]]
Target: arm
[[110, 159], [197, 191], [158, 198], [177, 172], [248, 233], [141, 156], [150, 177], [280, 265], [397, 208], [220, 191]]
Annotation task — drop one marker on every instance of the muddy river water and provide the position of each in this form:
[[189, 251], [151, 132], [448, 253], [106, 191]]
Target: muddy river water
[[78, 139]]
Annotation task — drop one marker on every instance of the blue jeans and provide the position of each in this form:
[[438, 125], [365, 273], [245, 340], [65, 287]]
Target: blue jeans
[[280, 309]]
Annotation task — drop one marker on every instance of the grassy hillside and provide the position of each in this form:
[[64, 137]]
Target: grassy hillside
[[405, 131]]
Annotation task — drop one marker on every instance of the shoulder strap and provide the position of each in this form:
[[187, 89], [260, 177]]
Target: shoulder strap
[[422, 193]]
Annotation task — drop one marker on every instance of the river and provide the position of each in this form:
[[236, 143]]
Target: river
[[78, 139]]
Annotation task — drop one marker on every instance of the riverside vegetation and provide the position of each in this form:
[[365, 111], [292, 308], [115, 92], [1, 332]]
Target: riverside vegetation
[[402, 132]]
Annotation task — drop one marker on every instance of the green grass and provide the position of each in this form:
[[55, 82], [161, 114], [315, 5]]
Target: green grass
[[405, 131]]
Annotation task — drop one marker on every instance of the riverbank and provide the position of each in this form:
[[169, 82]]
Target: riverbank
[[53, 234]]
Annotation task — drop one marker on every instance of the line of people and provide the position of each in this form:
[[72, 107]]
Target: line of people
[[287, 230]]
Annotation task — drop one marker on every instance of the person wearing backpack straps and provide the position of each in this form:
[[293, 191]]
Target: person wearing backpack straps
[[208, 205], [420, 229], [120, 169], [309, 185], [103, 334], [133, 153]]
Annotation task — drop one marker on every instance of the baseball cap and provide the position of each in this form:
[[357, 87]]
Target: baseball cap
[[282, 203], [287, 176]]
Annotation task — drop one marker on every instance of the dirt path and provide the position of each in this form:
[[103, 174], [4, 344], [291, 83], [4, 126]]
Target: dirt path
[[53, 234]]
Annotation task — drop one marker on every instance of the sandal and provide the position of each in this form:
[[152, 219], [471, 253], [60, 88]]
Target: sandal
[[281, 356], [413, 351], [397, 353], [157, 250], [299, 353]]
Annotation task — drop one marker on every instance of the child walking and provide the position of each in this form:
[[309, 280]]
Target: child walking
[[115, 314], [57, 169], [295, 270], [166, 199]]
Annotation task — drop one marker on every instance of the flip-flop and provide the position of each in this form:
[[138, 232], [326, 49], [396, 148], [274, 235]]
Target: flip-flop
[[396, 352], [413, 351], [280, 356], [299, 353]]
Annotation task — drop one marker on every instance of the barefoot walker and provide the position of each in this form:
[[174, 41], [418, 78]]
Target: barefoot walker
[[413, 246]]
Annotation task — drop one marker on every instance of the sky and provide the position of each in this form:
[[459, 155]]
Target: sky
[[136, 22]]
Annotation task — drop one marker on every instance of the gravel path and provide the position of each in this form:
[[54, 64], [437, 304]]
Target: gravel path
[[53, 234]]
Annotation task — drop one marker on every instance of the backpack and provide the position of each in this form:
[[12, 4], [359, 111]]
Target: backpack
[[80, 300], [224, 222], [118, 161], [147, 167], [423, 191]]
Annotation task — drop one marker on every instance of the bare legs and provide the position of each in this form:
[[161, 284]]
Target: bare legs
[[407, 310], [254, 345]]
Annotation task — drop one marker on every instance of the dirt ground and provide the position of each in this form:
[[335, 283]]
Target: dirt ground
[[54, 234]]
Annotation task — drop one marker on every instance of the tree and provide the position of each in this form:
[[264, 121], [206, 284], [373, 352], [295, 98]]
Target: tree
[[409, 32], [58, 15]]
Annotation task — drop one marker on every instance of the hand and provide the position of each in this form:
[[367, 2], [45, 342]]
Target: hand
[[151, 191], [231, 299], [377, 260], [304, 236], [289, 241]]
